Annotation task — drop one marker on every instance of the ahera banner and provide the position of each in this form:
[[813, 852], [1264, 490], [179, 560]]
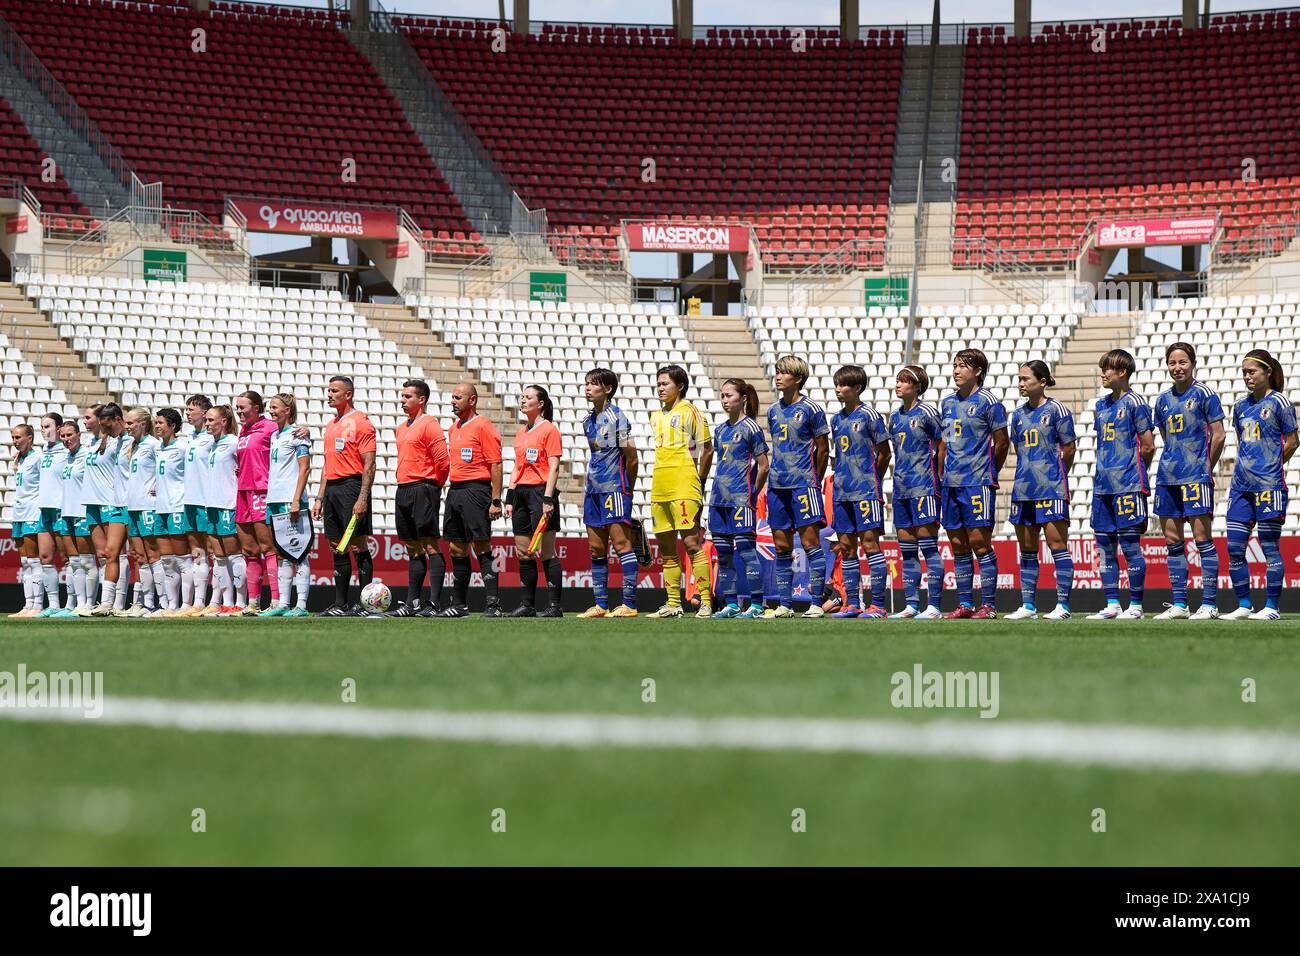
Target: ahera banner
[[686, 237], [1156, 232], [318, 219]]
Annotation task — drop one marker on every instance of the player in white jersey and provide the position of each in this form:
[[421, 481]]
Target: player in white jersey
[[105, 433], [194, 564], [139, 465], [169, 507], [72, 518], [49, 539], [286, 493], [221, 482], [26, 518]]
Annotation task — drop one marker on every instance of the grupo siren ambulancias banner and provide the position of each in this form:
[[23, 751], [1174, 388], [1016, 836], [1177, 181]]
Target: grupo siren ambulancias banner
[[1156, 232], [318, 219], [686, 237]]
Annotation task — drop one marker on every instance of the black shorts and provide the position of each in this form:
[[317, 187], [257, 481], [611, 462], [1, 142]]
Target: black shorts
[[528, 511], [467, 511], [336, 509], [417, 510]]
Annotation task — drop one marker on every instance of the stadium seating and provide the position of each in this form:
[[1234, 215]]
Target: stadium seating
[[1055, 134], [1222, 330], [21, 158], [156, 343], [276, 103], [509, 345], [800, 144]]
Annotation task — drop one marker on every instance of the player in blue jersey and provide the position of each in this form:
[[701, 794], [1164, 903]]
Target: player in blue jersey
[[607, 502], [798, 428], [1190, 418], [733, 523], [1042, 431], [1125, 447], [858, 500], [1265, 422], [915, 429], [971, 453]]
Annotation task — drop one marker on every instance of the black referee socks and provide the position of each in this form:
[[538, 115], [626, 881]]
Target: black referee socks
[[528, 579], [415, 571], [488, 568], [553, 579], [342, 578], [437, 574], [365, 567], [460, 580]]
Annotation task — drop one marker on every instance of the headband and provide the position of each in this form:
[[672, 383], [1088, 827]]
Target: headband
[[1269, 366]]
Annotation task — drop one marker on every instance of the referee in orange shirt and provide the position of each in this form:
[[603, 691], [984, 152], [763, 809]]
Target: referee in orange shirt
[[473, 501], [345, 491], [538, 447], [422, 467]]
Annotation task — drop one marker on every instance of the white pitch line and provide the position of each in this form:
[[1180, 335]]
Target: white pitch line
[[1129, 747]]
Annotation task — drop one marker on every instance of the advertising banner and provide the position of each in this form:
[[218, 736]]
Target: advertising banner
[[318, 219], [1156, 232]]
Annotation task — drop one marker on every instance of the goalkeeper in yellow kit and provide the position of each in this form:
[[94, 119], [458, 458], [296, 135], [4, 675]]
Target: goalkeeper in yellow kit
[[683, 456]]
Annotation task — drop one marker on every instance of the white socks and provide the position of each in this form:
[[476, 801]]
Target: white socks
[[78, 574], [30, 578], [110, 593], [172, 573], [223, 592], [92, 578], [301, 580], [185, 567], [239, 578], [50, 574], [123, 581], [200, 575], [284, 572], [160, 583]]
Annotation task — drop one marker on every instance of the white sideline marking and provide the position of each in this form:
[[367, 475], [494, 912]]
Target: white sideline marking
[[1108, 745]]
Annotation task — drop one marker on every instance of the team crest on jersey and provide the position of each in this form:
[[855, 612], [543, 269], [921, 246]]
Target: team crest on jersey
[[857, 426], [1191, 402], [798, 418], [1120, 416], [970, 409], [675, 421], [1265, 413]]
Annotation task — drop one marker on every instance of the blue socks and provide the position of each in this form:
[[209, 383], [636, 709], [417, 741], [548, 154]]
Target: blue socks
[[726, 567], [910, 550], [1270, 539], [1178, 571], [1029, 579], [1064, 577], [933, 569], [816, 573], [879, 577], [1131, 541], [747, 555], [630, 571], [1238, 535], [964, 562], [851, 572], [785, 577], [600, 580], [989, 578], [1108, 558], [1209, 571]]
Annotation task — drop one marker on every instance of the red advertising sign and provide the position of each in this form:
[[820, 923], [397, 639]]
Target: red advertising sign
[[397, 250], [1156, 232], [318, 219], [686, 237], [15, 224]]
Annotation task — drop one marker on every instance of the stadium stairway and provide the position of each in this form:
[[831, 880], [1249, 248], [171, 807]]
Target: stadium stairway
[[728, 349], [31, 331], [945, 112], [1078, 380]]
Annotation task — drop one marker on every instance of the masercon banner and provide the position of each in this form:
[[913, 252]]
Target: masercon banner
[[1156, 232], [390, 563], [686, 237], [318, 219]]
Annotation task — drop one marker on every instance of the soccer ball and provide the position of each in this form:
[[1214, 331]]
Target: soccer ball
[[375, 597]]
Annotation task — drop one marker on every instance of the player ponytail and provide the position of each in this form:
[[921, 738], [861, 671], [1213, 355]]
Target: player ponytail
[[228, 414], [1040, 371], [543, 396], [748, 391], [1262, 357], [106, 413]]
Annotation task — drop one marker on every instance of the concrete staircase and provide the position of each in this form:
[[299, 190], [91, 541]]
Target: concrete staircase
[[36, 337], [727, 348], [945, 118]]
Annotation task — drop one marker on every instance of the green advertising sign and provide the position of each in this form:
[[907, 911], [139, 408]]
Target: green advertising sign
[[165, 264], [548, 287], [891, 290]]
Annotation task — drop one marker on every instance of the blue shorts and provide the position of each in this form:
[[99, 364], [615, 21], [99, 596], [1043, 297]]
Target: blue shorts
[[850, 517], [968, 507], [141, 524], [1249, 507], [105, 514], [794, 508], [600, 509], [73, 527], [1040, 512], [726, 520], [1184, 501], [169, 524], [1112, 513], [49, 521], [196, 519], [22, 529], [914, 512], [221, 521]]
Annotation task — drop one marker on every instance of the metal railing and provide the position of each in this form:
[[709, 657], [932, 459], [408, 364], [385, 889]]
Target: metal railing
[[16, 188], [111, 239]]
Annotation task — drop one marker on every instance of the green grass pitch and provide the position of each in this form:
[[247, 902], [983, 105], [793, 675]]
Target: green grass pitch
[[94, 793]]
